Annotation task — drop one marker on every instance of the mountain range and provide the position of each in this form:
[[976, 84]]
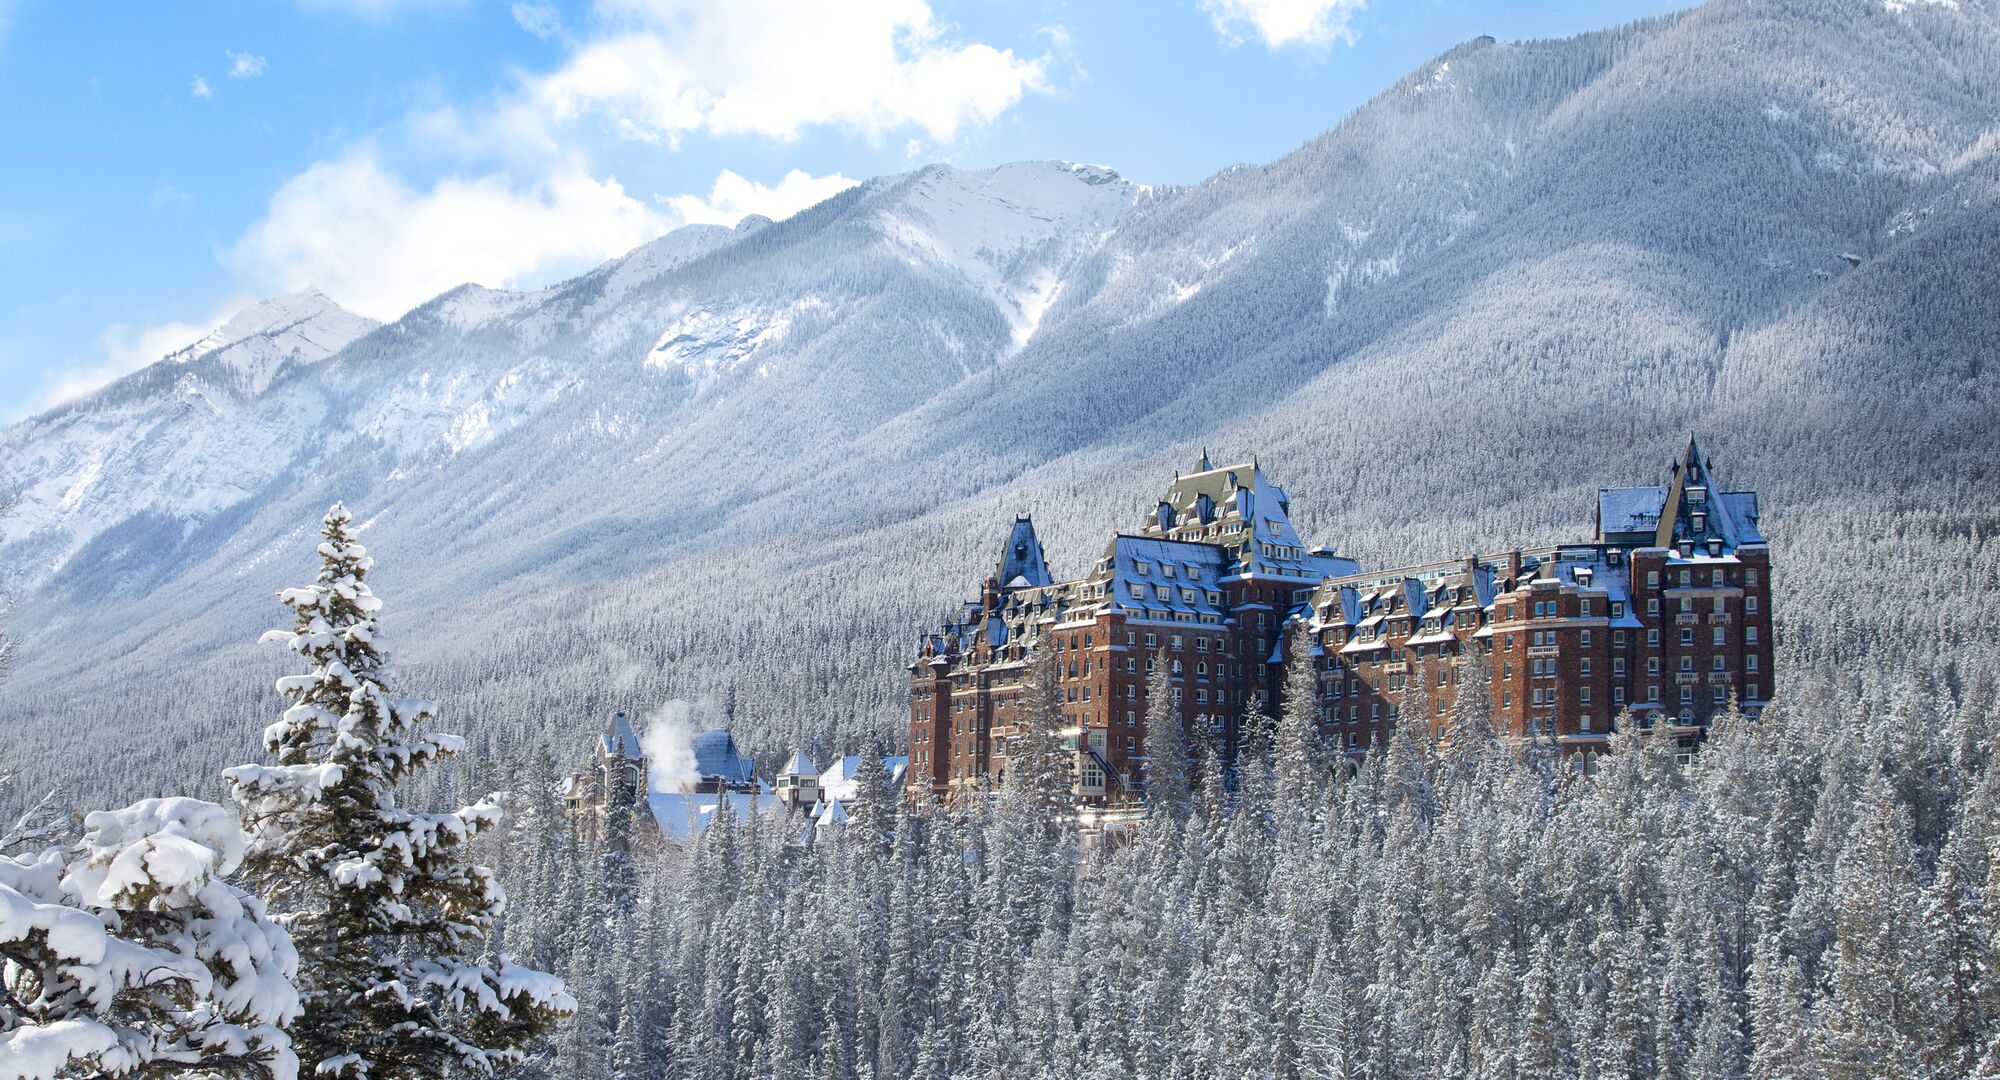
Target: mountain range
[[748, 466]]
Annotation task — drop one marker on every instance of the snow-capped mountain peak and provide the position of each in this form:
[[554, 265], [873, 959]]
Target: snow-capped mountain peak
[[294, 328]]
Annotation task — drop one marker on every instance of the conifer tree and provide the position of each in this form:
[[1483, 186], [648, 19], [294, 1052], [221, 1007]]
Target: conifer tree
[[1299, 756], [1169, 783], [1040, 762], [388, 916], [130, 954], [1885, 1013]]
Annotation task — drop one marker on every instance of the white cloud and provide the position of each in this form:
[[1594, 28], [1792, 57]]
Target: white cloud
[[121, 350], [529, 208], [1314, 24], [732, 198], [199, 88], [544, 21], [667, 68], [243, 65], [380, 246]]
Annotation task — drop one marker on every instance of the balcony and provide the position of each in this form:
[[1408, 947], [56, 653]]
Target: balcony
[[1686, 678], [1686, 618]]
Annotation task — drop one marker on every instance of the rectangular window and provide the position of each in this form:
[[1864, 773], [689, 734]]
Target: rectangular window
[[1653, 605], [1584, 609], [1652, 577], [1750, 691], [1653, 692], [1750, 635], [1749, 577], [1750, 662], [1715, 636], [1715, 662], [1583, 665], [1617, 609], [1652, 637], [1652, 665], [1617, 695], [1687, 695], [1687, 635], [1583, 695], [1750, 605]]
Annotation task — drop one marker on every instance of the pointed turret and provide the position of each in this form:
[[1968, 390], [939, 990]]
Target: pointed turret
[[1022, 564]]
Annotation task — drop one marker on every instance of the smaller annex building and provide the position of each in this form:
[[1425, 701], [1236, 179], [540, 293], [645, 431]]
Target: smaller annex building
[[723, 785]]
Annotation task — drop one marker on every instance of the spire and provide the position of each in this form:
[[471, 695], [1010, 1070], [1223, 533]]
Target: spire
[[1021, 561], [1204, 466]]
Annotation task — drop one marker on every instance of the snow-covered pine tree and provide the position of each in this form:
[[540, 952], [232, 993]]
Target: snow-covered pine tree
[[874, 800], [130, 955], [1887, 987], [389, 918], [1039, 761], [1169, 783], [1299, 756]]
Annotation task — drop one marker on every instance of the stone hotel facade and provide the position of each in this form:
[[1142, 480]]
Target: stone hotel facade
[[1663, 616]]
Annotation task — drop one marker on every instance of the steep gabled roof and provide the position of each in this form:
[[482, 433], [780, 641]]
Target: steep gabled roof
[[620, 741], [1022, 564]]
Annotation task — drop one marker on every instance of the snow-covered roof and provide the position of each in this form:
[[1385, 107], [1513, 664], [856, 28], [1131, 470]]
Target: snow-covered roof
[[840, 782], [683, 816], [620, 741], [800, 765], [715, 754], [1021, 562], [831, 816], [1630, 510]]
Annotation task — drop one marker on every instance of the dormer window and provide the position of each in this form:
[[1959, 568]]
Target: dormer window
[[1700, 521]]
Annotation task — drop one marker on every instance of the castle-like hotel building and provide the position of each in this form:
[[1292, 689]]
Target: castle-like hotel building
[[1665, 614]]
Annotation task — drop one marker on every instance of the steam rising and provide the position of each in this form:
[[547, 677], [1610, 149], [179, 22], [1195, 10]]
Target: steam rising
[[668, 743]]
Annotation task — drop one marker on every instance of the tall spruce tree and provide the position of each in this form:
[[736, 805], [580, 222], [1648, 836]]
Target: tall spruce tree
[[1299, 756], [1169, 779], [389, 918], [1040, 761]]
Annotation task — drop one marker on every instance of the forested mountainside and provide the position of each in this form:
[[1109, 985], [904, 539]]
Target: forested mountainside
[[749, 465]]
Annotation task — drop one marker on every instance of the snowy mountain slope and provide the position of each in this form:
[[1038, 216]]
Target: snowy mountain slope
[[754, 461], [179, 441]]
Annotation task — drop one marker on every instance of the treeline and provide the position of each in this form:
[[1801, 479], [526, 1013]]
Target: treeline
[[1814, 894]]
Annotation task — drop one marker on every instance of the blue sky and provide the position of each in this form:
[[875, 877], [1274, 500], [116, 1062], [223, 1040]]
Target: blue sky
[[169, 163]]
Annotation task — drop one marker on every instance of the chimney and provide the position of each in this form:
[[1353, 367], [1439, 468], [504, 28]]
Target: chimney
[[989, 594]]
